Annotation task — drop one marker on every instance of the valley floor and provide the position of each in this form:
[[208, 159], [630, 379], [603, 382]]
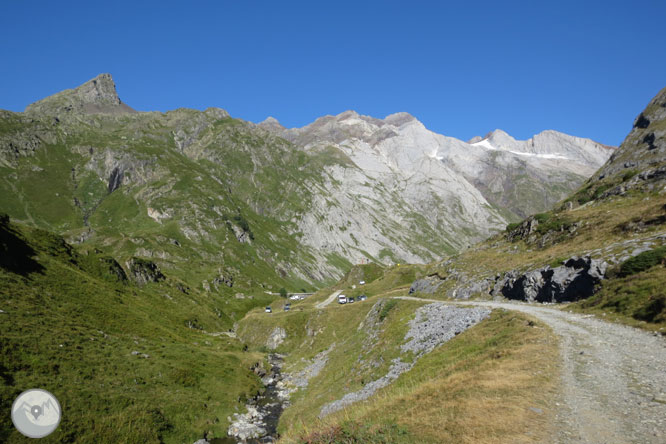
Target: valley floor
[[613, 377]]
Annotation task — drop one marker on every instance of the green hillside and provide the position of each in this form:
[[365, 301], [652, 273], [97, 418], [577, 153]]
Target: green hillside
[[128, 363]]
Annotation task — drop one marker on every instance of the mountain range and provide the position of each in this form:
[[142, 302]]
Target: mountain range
[[277, 206], [138, 251]]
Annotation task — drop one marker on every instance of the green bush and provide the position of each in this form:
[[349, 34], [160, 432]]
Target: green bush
[[643, 261], [548, 222], [387, 308], [283, 292], [512, 226]]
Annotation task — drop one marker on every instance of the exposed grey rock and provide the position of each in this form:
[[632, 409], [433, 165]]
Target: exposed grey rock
[[242, 236], [115, 179], [277, 337], [576, 279], [140, 355], [143, 271], [260, 420], [428, 284], [435, 172], [524, 230], [433, 325], [437, 323], [643, 151], [473, 287], [248, 425], [227, 280], [271, 124], [293, 381]]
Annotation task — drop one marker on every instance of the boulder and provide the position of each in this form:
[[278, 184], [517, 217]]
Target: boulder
[[576, 279], [428, 284]]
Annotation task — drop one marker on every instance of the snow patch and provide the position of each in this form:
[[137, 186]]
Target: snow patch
[[487, 145]]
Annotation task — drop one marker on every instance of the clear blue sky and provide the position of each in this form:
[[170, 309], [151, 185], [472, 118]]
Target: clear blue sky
[[586, 68]]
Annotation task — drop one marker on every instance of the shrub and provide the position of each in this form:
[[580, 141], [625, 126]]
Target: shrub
[[548, 222], [643, 261], [283, 292], [387, 308], [512, 226]]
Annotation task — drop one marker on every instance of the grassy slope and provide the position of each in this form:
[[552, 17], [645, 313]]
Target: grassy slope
[[602, 224], [234, 171], [476, 388], [70, 327]]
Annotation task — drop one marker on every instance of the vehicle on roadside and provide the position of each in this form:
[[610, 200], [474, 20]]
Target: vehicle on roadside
[[269, 310], [287, 307], [342, 299], [361, 283], [295, 297], [351, 300], [362, 297]]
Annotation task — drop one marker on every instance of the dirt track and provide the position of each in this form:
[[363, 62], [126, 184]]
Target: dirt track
[[329, 299], [613, 378]]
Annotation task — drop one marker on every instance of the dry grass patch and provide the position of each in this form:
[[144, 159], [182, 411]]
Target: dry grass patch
[[495, 383]]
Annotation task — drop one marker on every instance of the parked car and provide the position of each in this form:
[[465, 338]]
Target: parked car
[[269, 310], [362, 297], [295, 297], [361, 283], [287, 307], [342, 299], [350, 300]]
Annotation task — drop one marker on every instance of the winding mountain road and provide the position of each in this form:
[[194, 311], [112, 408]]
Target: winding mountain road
[[613, 377]]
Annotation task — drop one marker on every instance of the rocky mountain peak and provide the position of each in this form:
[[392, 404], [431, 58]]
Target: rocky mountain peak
[[347, 114], [399, 119], [271, 124], [96, 96], [500, 138]]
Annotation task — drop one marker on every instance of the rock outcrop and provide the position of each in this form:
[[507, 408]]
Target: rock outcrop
[[277, 337], [429, 285], [143, 271], [433, 325], [576, 279]]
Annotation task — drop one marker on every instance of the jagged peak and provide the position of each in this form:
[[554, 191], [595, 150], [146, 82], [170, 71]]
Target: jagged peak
[[97, 95], [271, 120], [497, 133], [272, 124]]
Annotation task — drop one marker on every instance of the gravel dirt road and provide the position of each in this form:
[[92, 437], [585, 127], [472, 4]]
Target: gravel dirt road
[[329, 299], [613, 386]]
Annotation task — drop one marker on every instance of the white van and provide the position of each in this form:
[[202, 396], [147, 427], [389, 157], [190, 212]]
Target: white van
[[342, 299]]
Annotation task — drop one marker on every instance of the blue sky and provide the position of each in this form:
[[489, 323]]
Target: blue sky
[[586, 68]]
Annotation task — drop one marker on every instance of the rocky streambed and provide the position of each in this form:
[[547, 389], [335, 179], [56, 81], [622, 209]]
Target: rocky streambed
[[259, 423]]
